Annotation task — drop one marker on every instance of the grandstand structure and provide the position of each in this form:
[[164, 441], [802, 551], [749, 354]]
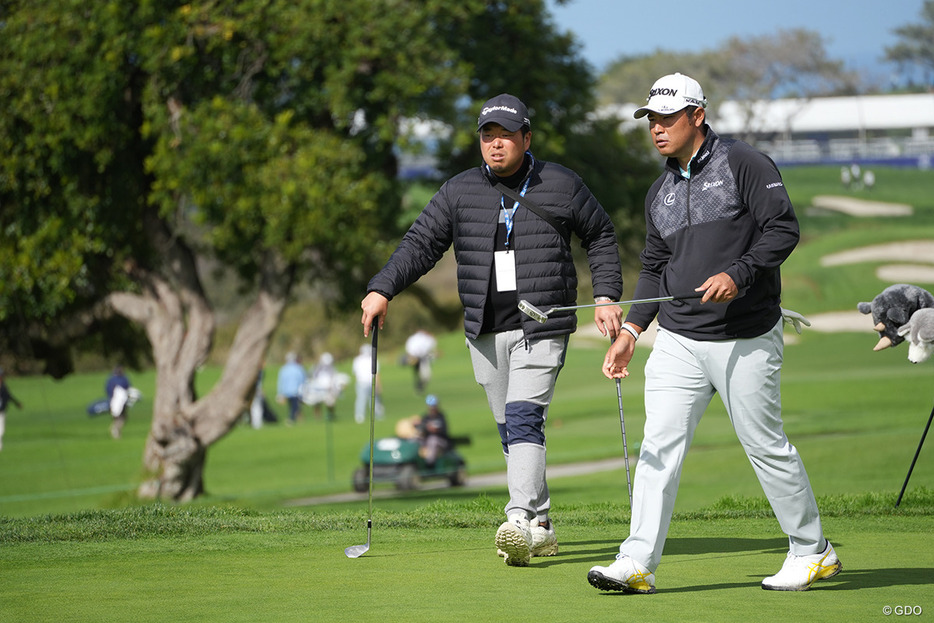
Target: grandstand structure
[[866, 129], [893, 130]]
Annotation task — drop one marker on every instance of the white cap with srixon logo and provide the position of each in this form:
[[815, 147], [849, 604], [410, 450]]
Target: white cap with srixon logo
[[670, 94]]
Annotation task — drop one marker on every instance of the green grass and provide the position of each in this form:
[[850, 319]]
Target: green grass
[[436, 563], [75, 544]]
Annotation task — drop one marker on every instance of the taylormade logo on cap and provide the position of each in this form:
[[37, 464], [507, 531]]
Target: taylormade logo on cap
[[505, 110], [490, 109], [672, 93]]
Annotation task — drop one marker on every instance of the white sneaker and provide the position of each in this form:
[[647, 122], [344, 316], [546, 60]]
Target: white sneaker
[[544, 540], [515, 540], [799, 572], [624, 575]]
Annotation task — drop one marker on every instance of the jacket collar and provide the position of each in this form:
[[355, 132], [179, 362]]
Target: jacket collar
[[516, 179]]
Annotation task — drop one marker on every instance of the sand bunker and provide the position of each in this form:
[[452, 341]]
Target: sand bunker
[[860, 207]]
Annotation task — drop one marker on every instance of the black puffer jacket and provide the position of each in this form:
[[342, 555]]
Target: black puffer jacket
[[465, 213]]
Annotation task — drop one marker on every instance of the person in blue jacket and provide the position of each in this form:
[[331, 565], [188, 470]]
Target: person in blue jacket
[[289, 383]]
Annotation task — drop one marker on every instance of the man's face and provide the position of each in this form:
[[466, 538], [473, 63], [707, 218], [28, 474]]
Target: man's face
[[503, 151], [676, 135]]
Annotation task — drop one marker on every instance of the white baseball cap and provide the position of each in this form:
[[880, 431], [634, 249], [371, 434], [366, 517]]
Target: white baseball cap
[[672, 93]]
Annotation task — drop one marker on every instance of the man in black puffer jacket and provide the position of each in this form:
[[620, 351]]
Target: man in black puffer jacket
[[506, 252]]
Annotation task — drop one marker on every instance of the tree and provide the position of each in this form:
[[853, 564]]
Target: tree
[[141, 140], [145, 143], [788, 63], [915, 48], [514, 47]]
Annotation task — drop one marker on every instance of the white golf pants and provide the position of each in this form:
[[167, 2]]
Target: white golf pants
[[681, 377]]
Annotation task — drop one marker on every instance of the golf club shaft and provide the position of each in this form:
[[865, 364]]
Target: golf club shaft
[[355, 551], [373, 362], [660, 299], [622, 427]]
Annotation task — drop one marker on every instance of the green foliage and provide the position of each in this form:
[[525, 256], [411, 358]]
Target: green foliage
[[514, 48], [253, 134], [237, 121]]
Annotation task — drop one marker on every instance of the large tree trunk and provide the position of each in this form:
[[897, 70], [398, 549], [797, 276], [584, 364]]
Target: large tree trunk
[[180, 324], [180, 328]]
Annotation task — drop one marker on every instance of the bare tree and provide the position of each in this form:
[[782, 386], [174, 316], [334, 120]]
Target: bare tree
[[915, 48]]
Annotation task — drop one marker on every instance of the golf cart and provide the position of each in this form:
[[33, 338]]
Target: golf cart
[[398, 460]]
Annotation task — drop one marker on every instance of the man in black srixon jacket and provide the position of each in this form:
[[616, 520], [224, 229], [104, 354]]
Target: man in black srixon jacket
[[718, 221], [506, 252]]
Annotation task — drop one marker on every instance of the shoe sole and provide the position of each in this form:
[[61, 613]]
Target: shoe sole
[[603, 583], [510, 540], [544, 550], [824, 575], [534, 553]]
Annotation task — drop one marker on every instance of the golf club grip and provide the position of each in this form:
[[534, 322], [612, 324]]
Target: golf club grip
[[375, 340], [689, 295]]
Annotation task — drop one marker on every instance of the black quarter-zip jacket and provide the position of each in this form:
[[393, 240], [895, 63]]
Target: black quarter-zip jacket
[[732, 215]]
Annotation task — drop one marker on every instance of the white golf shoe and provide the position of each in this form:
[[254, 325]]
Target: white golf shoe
[[544, 540], [799, 572], [514, 539], [625, 575]]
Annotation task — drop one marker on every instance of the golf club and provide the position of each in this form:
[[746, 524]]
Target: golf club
[[622, 426], [541, 316], [355, 551]]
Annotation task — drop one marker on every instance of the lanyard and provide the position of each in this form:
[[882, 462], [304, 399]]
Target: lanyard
[[510, 213]]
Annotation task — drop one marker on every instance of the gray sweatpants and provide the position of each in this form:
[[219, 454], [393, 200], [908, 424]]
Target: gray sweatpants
[[519, 379], [681, 377]]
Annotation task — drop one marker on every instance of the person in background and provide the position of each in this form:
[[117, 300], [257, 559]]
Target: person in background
[[260, 410], [421, 348], [433, 431], [5, 398], [118, 395], [363, 373], [323, 387], [289, 385], [508, 250], [718, 221]]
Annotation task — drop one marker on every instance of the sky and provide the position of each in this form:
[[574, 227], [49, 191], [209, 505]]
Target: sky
[[855, 33]]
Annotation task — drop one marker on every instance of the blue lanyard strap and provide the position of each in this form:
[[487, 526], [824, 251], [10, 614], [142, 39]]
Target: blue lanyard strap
[[510, 213]]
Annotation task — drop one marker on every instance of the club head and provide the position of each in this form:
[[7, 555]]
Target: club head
[[532, 312], [355, 551]]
